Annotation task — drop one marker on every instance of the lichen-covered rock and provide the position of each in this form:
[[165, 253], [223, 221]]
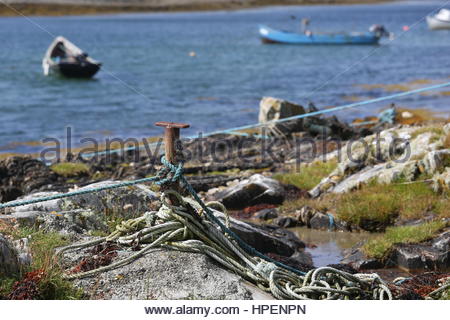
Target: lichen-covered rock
[[441, 181], [123, 202], [393, 154], [9, 262], [447, 128], [258, 189], [406, 171], [22, 175], [71, 222], [436, 161], [77, 221], [163, 274], [23, 251]]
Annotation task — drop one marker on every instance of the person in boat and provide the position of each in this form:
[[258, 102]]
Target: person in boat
[[304, 27]]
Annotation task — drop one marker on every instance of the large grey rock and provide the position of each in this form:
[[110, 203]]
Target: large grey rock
[[123, 202], [447, 128], [356, 259], [436, 161], [164, 274], [9, 262], [275, 109], [267, 214], [442, 242], [441, 181], [23, 250], [257, 189], [387, 157], [22, 218], [418, 257], [356, 180], [321, 221], [77, 221]]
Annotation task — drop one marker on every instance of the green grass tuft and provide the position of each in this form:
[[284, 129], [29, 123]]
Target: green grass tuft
[[438, 131], [309, 176], [379, 247], [42, 245], [69, 169]]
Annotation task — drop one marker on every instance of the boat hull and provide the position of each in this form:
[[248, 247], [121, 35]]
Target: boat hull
[[437, 24], [272, 36], [74, 70], [66, 59]]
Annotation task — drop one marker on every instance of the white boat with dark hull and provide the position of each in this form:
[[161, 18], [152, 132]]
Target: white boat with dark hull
[[440, 20], [65, 58]]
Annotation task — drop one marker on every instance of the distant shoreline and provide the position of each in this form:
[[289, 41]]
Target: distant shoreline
[[53, 9]]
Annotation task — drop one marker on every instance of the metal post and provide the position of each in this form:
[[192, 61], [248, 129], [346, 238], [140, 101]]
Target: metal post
[[171, 135]]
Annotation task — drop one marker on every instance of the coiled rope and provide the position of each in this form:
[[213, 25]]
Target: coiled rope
[[191, 226], [182, 227]]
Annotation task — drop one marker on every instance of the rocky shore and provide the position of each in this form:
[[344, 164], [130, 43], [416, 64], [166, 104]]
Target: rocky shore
[[319, 173], [81, 7]]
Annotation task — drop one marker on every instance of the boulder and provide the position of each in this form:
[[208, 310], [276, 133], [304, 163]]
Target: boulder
[[442, 242], [321, 221], [23, 175], [265, 238], [394, 171], [436, 161], [356, 259], [71, 222], [447, 129], [266, 214], [304, 215], [441, 181], [286, 222], [258, 189], [169, 275], [126, 202], [9, 262], [23, 250], [275, 109], [418, 257]]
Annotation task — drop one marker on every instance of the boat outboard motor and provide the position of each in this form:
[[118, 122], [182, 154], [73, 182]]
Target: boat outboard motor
[[380, 31]]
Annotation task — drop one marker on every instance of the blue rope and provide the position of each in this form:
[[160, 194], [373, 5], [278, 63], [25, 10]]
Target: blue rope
[[347, 106], [332, 222]]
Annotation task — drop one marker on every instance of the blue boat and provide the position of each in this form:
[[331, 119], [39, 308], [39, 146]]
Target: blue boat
[[372, 37]]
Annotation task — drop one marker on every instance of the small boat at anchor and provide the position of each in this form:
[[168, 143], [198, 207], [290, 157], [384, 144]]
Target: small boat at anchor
[[65, 58], [440, 20], [372, 37]]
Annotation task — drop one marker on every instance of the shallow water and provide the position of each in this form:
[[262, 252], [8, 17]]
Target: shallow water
[[148, 74], [327, 247]]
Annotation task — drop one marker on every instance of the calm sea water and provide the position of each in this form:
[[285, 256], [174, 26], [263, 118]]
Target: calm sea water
[[148, 74]]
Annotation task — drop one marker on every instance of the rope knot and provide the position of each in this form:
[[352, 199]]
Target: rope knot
[[176, 172]]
